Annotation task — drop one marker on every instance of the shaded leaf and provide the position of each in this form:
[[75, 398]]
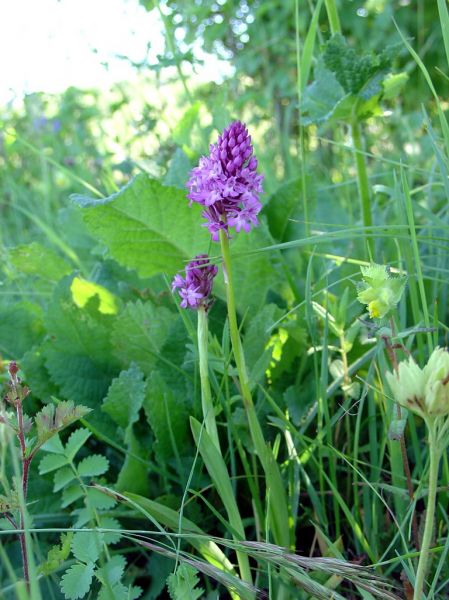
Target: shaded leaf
[[167, 417], [139, 333], [125, 397], [21, 327]]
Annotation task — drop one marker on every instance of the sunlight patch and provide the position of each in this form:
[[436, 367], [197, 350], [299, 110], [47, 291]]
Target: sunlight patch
[[83, 290]]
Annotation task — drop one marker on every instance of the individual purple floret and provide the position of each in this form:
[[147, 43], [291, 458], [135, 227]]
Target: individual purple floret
[[227, 184], [196, 287]]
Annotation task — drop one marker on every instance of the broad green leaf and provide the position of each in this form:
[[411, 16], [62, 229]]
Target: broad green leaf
[[37, 375], [76, 441], [167, 416], [352, 69], [283, 205], [93, 465], [35, 259], [393, 85], [147, 226], [173, 354], [62, 478], [321, 96], [125, 396], [76, 581], [77, 350], [86, 546], [139, 333], [182, 585], [51, 462]]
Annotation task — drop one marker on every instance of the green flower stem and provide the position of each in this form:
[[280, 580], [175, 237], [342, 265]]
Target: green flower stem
[[277, 503], [362, 179], [206, 397], [435, 455], [332, 15]]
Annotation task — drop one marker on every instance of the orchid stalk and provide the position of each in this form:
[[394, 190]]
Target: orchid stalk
[[195, 289], [227, 185]]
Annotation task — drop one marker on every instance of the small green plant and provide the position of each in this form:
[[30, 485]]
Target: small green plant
[[32, 435], [90, 548], [379, 290]]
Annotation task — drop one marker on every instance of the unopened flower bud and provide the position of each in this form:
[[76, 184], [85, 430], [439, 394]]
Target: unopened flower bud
[[437, 383], [13, 369], [196, 287], [408, 386]]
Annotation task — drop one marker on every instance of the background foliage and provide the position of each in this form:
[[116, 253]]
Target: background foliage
[[94, 223]]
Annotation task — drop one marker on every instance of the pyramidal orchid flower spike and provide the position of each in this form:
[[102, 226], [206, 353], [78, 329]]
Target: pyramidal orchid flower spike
[[196, 287], [227, 184]]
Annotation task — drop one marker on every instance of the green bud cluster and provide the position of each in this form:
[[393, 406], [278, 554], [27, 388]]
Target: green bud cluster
[[379, 290]]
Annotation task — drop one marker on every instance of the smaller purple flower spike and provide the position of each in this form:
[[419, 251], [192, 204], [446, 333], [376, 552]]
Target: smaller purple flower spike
[[196, 287], [227, 184]]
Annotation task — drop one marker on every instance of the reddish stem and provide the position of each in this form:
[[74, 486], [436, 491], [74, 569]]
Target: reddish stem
[[10, 519], [390, 348], [25, 472]]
